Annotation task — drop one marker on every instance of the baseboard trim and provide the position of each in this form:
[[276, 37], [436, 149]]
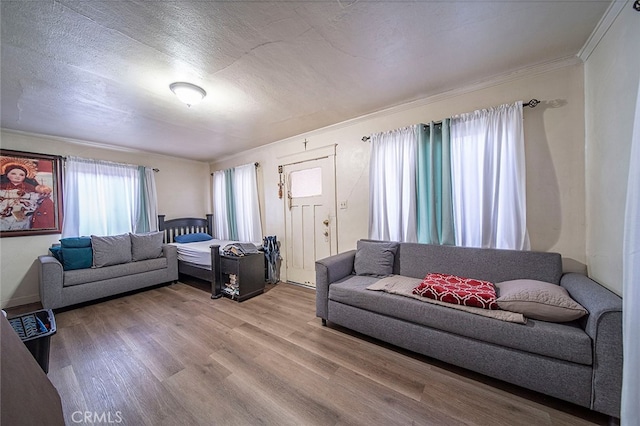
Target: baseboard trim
[[19, 301]]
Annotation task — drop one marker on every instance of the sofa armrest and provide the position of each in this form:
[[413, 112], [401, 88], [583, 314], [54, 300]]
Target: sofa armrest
[[604, 326], [51, 277], [330, 270], [170, 252]]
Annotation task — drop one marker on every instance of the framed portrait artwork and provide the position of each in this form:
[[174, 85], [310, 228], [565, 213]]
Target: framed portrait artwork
[[30, 194]]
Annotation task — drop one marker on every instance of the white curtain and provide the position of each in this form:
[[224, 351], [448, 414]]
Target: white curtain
[[488, 178], [236, 210], [100, 197], [392, 185], [247, 209], [630, 410], [220, 214]]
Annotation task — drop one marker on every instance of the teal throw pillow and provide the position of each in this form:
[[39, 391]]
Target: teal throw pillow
[[75, 242], [55, 252], [193, 238], [76, 258]]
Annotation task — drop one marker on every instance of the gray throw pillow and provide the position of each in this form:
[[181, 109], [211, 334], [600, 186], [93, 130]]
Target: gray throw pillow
[[146, 246], [111, 250], [375, 258], [539, 300]]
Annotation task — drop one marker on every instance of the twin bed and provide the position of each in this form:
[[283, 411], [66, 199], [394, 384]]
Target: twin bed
[[201, 259]]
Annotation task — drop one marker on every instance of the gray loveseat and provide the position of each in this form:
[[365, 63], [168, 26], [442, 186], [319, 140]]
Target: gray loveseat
[[578, 361], [146, 264]]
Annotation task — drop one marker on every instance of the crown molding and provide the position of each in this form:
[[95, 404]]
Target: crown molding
[[92, 144], [72, 141], [601, 29]]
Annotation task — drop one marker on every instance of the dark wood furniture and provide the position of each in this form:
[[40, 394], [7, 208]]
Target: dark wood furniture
[[191, 225], [248, 269], [242, 277]]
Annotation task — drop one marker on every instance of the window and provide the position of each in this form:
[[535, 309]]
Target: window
[[306, 183], [488, 178], [105, 198], [236, 211], [470, 188]]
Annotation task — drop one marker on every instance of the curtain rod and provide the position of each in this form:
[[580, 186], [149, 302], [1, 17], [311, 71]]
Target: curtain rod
[[64, 158], [256, 165], [531, 104]]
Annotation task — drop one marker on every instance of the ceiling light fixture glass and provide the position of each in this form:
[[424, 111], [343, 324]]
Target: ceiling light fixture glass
[[188, 93]]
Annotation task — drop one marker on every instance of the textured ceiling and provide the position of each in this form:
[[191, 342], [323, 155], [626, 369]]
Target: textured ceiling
[[100, 70]]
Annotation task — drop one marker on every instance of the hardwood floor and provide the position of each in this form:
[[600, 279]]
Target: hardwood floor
[[173, 356]]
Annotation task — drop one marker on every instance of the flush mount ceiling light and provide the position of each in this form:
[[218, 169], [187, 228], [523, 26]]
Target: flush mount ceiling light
[[188, 93]]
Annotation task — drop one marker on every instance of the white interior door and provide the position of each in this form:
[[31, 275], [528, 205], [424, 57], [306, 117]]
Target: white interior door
[[310, 217]]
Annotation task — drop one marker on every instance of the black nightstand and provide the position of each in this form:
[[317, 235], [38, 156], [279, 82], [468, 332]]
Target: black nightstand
[[242, 277]]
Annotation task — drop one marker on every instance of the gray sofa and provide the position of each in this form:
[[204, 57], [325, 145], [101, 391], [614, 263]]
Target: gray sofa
[[60, 288], [578, 361]]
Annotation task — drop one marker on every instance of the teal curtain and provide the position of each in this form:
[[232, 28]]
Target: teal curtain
[[146, 212], [231, 210], [434, 200], [142, 222]]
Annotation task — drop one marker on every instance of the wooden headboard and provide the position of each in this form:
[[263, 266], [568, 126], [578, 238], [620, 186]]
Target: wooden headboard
[[184, 225]]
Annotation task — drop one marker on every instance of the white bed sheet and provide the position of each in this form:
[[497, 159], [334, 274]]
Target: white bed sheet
[[199, 253]]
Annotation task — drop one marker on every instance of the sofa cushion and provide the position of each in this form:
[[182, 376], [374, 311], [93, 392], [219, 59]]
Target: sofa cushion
[[76, 258], [375, 258], [146, 246], [566, 341], [539, 300], [403, 286], [110, 250], [495, 265], [83, 276], [458, 290]]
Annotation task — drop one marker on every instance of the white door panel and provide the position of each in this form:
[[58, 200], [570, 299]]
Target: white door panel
[[310, 219]]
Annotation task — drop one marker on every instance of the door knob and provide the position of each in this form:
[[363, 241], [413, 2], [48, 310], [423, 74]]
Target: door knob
[[326, 222]]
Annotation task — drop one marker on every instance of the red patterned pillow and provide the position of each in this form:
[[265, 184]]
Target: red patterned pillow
[[458, 290]]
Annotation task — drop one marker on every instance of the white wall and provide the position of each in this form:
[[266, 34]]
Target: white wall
[[611, 84], [554, 139], [182, 185]]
